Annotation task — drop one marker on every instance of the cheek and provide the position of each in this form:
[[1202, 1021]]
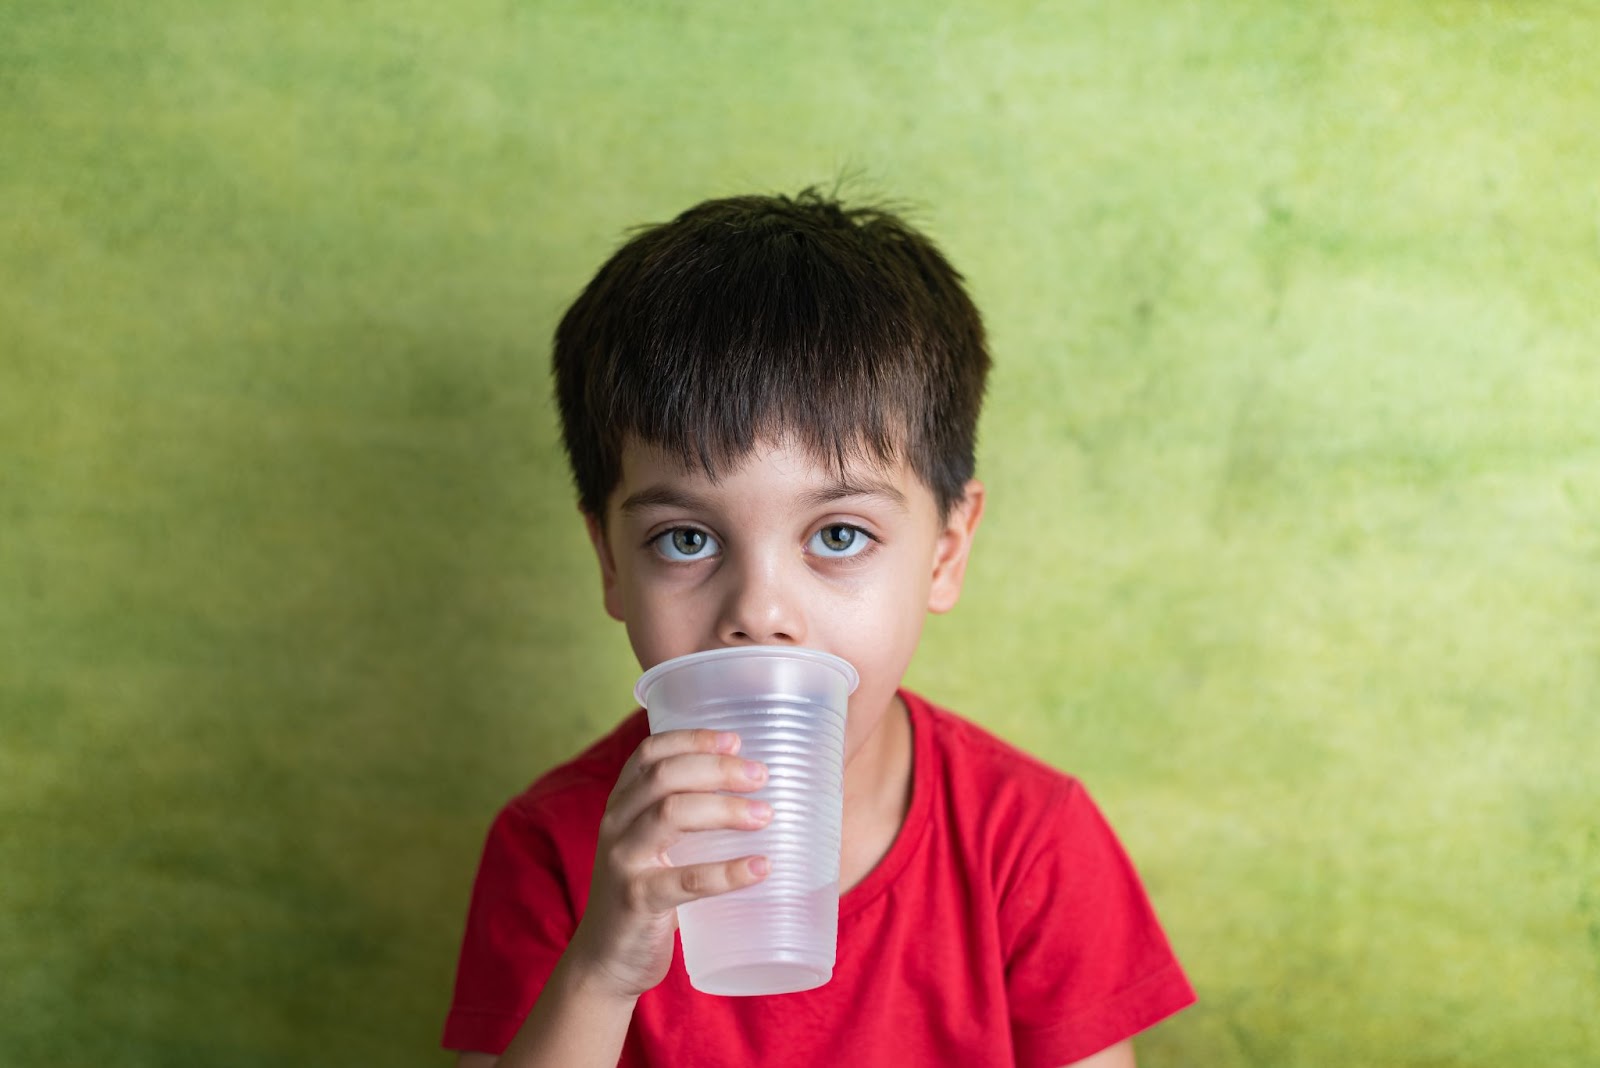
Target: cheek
[[665, 619], [883, 637]]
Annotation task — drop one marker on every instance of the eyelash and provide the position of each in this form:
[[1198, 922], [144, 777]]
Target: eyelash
[[655, 541], [870, 544], [658, 541]]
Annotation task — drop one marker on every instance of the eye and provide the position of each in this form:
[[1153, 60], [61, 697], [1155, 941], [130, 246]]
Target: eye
[[839, 540], [685, 543]]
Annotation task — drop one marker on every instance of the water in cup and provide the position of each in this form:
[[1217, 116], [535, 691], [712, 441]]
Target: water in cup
[[788, 707]]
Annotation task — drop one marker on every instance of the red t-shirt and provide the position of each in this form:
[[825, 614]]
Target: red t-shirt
[[1005, 926]]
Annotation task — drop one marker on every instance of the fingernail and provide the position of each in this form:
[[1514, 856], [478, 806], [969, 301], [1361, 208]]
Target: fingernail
[[754, 771], [727, 742], [760, 811], [760, 866]]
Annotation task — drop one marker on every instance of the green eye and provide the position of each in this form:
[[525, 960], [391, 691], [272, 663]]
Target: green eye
[[840, 540], [685, 543]]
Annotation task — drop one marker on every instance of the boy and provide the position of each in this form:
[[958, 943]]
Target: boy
[[769, 405]]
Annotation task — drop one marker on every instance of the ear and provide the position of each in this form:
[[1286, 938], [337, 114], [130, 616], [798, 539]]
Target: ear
[[608, 567], [954, 546]]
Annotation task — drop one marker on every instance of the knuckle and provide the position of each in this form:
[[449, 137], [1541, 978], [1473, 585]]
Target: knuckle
[[654, 774], [671, 810], [694, 881], [649, 751]]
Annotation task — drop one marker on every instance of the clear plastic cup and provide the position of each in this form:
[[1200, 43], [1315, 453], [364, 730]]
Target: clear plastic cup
[[788, 708]]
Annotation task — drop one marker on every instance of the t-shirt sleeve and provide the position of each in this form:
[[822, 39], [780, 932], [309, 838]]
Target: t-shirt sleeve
[[519, 923], [1087, 964]]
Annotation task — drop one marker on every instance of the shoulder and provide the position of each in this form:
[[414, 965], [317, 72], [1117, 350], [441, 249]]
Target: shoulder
[[968, 756], [1009, 811], [581, 785], [1085, 961], [550, 828]]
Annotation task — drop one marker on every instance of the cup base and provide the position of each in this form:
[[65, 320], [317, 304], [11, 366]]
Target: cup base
[[747, 980]]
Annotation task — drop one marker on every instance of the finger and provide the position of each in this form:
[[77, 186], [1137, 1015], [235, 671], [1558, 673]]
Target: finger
[[687, 773], [678, 814], [658, 747], [671, 887], [663, 825]]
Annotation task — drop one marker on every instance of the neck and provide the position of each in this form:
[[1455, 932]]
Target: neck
[[877, 793]]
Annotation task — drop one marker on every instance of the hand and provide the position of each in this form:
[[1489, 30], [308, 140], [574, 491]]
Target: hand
[[666, 789]]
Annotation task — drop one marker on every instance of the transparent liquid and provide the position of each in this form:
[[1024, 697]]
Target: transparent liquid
[[780, 935], [752, 943]]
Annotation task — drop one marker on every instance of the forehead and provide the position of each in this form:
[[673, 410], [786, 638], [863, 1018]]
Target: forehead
[[771, 473]]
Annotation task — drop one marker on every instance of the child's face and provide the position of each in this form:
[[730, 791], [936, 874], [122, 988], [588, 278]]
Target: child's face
[[780, 551]]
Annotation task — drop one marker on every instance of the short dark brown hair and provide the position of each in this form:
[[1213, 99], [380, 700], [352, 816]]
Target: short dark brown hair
[[765, 316]]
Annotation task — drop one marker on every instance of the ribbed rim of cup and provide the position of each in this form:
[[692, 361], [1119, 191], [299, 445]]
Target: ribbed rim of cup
[[743, 652]]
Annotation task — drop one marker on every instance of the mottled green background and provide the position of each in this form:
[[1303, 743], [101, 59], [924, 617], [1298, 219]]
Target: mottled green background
[[1294, 449]]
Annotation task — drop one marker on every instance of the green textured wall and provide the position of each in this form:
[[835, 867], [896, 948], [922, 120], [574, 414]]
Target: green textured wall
[[1294, 450]]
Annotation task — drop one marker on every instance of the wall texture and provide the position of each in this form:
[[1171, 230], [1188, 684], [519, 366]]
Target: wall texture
[[1293, 550]]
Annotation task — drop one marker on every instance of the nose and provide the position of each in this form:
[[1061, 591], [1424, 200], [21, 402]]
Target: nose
[[759, 607]]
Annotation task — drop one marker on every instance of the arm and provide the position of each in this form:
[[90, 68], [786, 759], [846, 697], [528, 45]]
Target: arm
[[1088, 966], [1118, 1056], [574, 1022], [623, 944]]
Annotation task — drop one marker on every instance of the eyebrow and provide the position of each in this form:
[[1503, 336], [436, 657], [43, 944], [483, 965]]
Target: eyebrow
[[667, 497], [662, 497], [842, 489]]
